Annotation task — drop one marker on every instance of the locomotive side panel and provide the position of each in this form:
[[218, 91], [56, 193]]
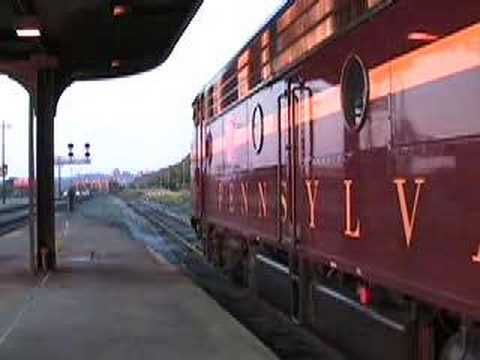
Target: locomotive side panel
[[365, 152], [436, 141], [215, 193], [389, 201], [344, 192], [246, 192], [263, 154], [233, 207], [195, 171]]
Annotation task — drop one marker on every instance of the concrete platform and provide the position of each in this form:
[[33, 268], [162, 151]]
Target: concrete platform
[[122, 304]]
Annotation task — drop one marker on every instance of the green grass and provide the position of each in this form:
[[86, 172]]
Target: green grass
[[159, 195]]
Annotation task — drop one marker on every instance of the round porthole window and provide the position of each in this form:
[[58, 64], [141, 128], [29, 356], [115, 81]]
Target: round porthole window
[[355, 92], [258, 128]]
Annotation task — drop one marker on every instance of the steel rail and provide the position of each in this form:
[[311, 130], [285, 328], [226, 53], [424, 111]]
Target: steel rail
[[157, 218]]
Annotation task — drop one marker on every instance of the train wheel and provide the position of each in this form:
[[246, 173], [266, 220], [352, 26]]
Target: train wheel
[[209, 241], [425, 337], [242, 265], [232, 258], [219, 251], [250, 268], [306, 299], [462, 346]]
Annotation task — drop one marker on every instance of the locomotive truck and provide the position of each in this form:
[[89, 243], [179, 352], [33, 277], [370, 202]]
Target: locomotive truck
[[335, 167]]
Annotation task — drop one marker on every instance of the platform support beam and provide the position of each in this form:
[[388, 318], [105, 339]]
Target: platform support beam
[[31, 182], [50, 85], [46, 104]]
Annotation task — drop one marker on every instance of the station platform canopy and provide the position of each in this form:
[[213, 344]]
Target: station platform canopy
[[91, 39], [46, 45]]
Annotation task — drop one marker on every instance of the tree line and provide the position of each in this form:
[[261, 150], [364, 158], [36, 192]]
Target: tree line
[[174, 177]]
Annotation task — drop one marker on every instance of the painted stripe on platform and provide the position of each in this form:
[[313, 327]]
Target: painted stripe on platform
[[28, 302]]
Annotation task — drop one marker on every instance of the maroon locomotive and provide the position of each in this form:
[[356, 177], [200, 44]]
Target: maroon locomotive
[[335, 163]]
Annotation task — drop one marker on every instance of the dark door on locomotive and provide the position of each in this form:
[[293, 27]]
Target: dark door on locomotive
[[295, 153]]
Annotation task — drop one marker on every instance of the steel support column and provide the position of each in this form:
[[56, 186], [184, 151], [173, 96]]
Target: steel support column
[[46, 105], [31, 183]]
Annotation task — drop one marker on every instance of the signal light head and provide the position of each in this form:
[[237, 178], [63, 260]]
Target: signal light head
[[28, 27], [120, 10], [422, 36], [29, 33]]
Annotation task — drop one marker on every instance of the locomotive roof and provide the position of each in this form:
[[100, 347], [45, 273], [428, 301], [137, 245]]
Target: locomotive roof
[[277, 13], [298, 27], [94, 38]]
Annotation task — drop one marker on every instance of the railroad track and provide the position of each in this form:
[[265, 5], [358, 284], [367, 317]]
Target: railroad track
[[167, 222], [287, 340], [13, 217]]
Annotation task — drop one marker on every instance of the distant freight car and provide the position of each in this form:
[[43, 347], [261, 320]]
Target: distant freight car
[[336, 171]]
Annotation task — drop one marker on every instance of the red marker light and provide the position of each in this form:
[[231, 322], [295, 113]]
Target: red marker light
[[365, 295], [120, 10], [422, 36]]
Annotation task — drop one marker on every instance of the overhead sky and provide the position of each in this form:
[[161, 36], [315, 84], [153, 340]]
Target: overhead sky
[[144, 122], [141, 122]]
